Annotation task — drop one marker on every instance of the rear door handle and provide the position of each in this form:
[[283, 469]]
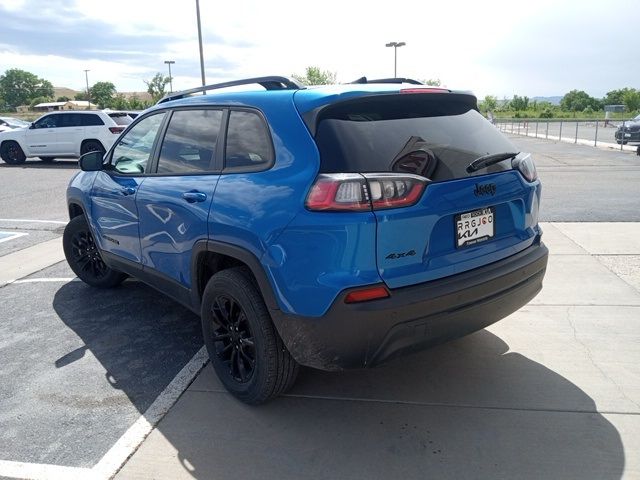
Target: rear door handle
[[193, 197], [128, 191]]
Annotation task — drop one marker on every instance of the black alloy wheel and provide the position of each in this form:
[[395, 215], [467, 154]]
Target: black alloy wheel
[[11, 153], [92, 146], [83, 256], [244, 347], [233, 338]]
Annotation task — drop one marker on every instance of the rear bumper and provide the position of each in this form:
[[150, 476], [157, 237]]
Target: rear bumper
[[415, 317]]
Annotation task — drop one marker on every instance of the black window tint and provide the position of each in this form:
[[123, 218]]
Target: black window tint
[[132, 153], [190, 142], [49, 121], [90, 119], [435, 136], [69, 120], [248, 142]]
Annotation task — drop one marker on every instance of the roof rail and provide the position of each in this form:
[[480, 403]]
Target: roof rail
[[388, 80], [269, 83]]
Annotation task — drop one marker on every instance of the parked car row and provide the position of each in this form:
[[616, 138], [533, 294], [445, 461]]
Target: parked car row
[[63, 134], [629, 132]]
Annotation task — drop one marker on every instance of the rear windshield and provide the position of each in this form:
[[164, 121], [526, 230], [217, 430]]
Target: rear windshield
[[121, 118], [433, 135]]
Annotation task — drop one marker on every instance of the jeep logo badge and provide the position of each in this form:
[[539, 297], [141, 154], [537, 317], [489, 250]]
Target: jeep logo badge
[[485, 189]]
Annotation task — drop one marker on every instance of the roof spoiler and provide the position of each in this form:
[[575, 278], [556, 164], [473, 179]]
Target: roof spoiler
[[363, 80]]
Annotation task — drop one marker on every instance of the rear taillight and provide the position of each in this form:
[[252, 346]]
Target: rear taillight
[[368, 191], [525, 165], [116, 129]]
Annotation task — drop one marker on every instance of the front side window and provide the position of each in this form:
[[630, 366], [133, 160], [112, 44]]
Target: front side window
[[49, 121], [133, 151], [190, 142], [248, 142]]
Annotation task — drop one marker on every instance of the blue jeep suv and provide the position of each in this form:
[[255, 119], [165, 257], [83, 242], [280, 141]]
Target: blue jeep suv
[[333, 227]]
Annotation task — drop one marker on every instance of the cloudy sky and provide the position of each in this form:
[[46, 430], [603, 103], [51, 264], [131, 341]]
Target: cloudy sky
[[502, 48]]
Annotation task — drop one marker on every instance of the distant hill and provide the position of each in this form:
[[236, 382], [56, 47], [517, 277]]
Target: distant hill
[[553, 100]]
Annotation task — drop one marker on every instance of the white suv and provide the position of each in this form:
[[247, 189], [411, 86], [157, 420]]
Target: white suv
[[63, 134]]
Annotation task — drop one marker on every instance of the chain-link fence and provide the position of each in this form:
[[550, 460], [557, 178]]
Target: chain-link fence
[[600, 133]]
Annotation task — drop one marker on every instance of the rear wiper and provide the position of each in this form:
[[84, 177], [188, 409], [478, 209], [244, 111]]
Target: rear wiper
[[490, 159]]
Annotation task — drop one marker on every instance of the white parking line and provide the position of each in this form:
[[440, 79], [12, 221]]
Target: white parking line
[[26, 220], [125, 446], [135, 435], [48, 279], [41, 471], [11, 236]]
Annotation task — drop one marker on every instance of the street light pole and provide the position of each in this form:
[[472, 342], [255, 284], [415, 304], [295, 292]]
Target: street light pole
[[200, 42], [169, 62], [86, 77], [395, 46]]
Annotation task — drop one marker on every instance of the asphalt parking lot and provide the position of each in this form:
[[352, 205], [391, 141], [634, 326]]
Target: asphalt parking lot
[[551, 392]]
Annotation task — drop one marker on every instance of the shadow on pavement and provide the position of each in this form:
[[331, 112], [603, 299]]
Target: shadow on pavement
[[468, 409], [141, 338]]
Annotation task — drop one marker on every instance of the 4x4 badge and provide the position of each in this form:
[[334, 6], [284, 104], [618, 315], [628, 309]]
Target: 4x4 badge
[[394, 256], [485, 189]]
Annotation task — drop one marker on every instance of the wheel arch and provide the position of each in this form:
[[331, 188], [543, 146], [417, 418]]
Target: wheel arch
[[210, 257], [86, 140]]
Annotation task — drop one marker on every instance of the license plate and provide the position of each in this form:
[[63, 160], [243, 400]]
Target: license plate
[[475, 227], [627, 135]]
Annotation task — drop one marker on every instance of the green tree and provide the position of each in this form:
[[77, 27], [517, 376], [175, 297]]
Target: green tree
[[19, 87], [102, 94], [577, 101], [315, 76], [157, 86], [63, 99], [120, 102], [81, 97], [616, 97], [38, 100], [631, 100], [489, 104], [519, 104], [433, 82]]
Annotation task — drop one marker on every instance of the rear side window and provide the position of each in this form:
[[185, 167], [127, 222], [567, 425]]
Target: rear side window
[[432, 135], [190, 142], [90, 120], [249, 144]]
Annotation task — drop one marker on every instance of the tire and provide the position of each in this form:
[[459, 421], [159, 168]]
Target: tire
[[84, 257], [47, 159], [11, 153], [92, 146], [245, 349]]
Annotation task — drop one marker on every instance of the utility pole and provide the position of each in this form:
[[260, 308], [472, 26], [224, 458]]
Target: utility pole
[[86, 77], [395, 46], [169, 62], [200, 43]]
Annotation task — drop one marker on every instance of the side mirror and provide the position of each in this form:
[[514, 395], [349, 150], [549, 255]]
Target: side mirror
[[91, 162]]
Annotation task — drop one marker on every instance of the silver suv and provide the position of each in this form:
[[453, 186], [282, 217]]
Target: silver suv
[[64, 134]]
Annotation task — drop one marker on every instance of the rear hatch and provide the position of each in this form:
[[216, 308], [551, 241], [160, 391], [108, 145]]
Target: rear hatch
[[435, 216]]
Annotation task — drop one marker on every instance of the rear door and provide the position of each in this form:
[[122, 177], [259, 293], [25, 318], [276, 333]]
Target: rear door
[[463, 219], [174, 201], [70, 133]]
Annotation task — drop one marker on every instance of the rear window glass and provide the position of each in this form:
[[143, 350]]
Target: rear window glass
[[121, 118], [426, 134]]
